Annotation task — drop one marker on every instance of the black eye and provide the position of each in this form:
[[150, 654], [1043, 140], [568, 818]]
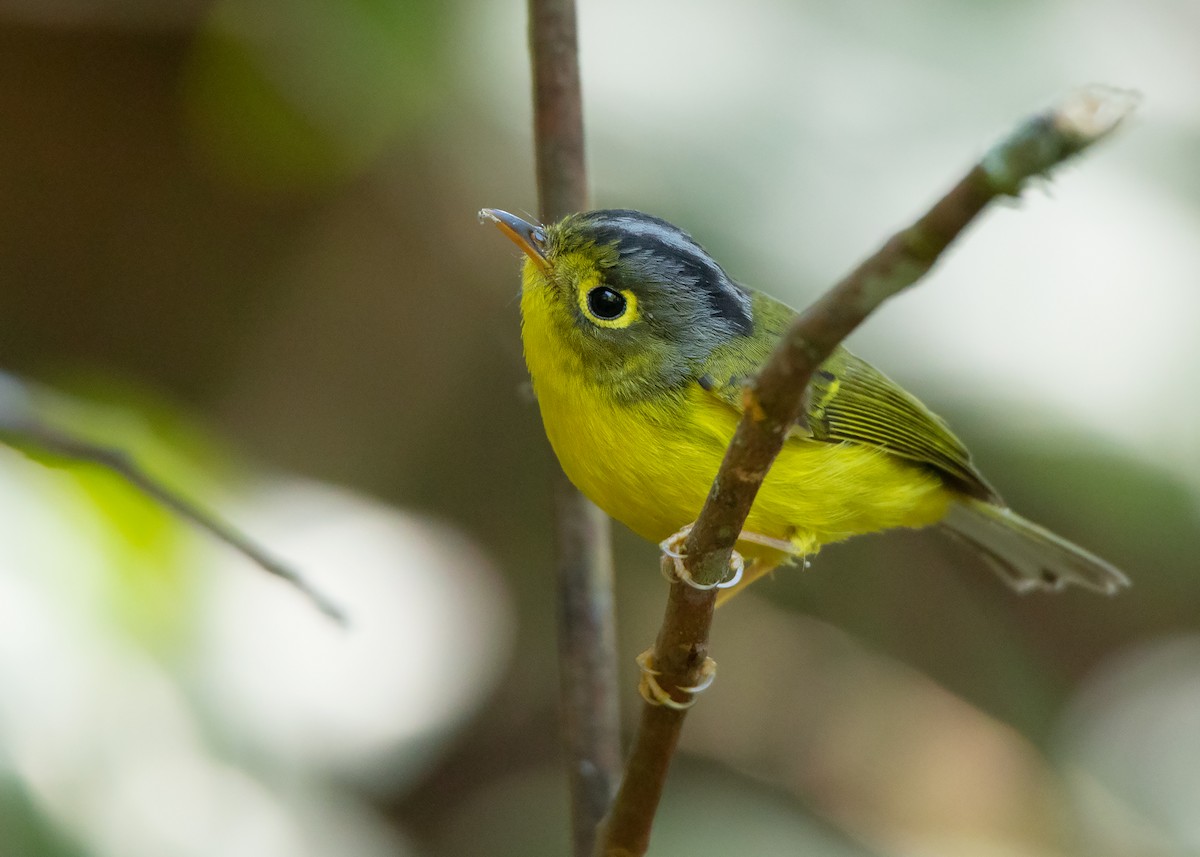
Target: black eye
[[606, 303]]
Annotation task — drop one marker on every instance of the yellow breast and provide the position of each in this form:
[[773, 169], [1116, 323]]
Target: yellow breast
[[650, 464]]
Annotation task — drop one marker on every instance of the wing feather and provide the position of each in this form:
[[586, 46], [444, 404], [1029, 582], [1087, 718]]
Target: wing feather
[[850, 401]]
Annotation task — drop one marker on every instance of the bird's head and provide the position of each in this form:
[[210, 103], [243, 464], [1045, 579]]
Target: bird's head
[[635, 301]]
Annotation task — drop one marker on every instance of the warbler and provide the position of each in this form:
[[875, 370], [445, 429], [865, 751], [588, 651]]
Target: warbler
[[639, 346]]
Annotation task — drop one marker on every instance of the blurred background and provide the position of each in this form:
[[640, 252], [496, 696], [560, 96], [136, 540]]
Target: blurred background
[[238, 239]]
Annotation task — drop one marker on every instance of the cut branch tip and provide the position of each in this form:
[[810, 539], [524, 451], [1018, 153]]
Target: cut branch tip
[[1093, 112], [1084, 117]]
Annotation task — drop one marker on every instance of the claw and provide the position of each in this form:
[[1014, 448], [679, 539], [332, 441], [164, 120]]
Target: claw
[[672, 547], [708, 674], [653, 692]]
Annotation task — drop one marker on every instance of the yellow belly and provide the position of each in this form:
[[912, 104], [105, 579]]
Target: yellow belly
[[650, 466]]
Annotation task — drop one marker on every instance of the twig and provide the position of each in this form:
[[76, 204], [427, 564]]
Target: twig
[[587, 660], [557, 109], [18, 422], [586, 621], [774, 402]]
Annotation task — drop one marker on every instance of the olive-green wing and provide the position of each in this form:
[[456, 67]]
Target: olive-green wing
[[849, 400]]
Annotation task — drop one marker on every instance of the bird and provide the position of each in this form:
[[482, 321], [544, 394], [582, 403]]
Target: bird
[[639, 346]]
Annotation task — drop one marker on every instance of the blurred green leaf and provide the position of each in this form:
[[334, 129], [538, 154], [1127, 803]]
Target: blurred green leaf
[[24, 829], [144, 544], [291, 93]]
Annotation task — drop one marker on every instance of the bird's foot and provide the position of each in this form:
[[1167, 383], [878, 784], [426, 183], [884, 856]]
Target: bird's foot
[[672, 547], [654, 693]]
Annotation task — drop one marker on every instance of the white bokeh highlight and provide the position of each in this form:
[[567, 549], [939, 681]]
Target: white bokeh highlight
[[429, 631]]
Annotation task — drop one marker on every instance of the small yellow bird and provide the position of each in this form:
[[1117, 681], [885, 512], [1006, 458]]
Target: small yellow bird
[[639, 345]]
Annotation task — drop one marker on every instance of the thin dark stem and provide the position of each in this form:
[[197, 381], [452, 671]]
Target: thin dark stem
[[58, 442], [557, 109], [587, 660], [774, 401], [587, 637]]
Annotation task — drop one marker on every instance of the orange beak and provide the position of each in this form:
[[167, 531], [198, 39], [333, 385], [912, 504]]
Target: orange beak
[[530, 237]]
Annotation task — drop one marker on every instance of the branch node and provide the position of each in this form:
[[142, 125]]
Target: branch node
[[751, 405]]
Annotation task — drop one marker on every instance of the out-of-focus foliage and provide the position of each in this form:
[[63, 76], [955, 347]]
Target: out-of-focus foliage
[[291, 93], [249, 225], [133, 672]]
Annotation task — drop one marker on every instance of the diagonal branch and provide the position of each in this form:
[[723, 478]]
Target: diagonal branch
[[774, 404], [586, 619], [22, 426]]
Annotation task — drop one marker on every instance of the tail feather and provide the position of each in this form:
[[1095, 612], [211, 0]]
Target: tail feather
[[1027, 556]]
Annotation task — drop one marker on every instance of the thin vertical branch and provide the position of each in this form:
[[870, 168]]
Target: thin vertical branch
[[587, 660], [557, 109], [587, 639], [774, 401]]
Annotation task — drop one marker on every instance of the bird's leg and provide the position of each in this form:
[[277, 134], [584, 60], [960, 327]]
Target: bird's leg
[[654, 693], [781, 545]]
